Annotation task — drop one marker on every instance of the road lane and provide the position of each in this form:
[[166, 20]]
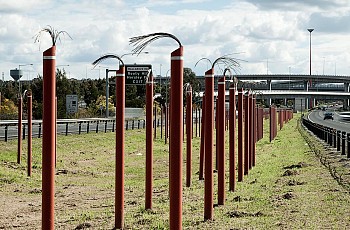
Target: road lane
[[338, 124]]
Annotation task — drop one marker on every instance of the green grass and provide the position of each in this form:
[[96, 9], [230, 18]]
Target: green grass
[[308, 199]]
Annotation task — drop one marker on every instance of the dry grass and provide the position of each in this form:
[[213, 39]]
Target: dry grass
[[270, 197]]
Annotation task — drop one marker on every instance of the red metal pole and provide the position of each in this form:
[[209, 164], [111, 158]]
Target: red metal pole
[[275, 121], [232, 131], [262, 123], [149, 143], [208, 129], [240, 135], [120, 137], [176, 131], [189, 136], [166, 124], [48, 144], [271, 123], [55, 129], [29, 108], [246, 134], [221, 141], [202, 148], [255, 130], [251, 130], [19, 129], [216, 132]]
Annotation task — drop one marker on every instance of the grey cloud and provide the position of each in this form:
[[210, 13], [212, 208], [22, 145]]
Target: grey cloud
[[330, 24], [295, 5]]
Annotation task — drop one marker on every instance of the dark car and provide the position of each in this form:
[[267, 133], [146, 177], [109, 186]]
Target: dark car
[[328, 115]]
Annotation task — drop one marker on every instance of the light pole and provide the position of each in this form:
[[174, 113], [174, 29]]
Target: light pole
[[310, 31]]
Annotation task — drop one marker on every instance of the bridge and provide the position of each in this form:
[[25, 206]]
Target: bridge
[[302, 90]]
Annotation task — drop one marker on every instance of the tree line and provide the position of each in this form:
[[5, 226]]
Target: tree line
[[91, 95]]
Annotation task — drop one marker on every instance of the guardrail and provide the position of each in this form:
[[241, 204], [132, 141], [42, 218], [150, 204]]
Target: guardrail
[[66, 126], [334, 138]]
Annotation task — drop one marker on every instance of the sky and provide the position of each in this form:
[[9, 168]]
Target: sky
[[265, 36]]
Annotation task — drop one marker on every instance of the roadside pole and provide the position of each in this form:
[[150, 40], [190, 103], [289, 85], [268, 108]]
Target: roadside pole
[[208, 130], [120, 137], [176, 139], [240, 135], [188, 135], [29, 108], [232, 136], [48, 149], [221, 140], [202, 148], [149, 142], [19, 129]]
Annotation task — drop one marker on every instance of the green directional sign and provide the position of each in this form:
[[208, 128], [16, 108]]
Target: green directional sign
[[136, 74]]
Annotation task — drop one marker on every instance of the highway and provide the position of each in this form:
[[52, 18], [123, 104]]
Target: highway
[[338, 123]]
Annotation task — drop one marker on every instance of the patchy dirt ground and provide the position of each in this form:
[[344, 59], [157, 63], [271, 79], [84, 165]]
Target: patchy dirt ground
[[283, 191]]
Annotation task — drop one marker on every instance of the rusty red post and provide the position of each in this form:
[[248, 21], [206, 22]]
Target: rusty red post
[[55, 130], [202, 148], [240, 135], [176, 131], [262, 123], [188, 136], [275, 121], [120, 137], [19, 129], [149, 143], [48, 142], [208, 129], [29, 109], [166, 123], [221, 140], [251, 130], [216, 131], [255, 130], [246, 134], [271, 123], [232, 136]]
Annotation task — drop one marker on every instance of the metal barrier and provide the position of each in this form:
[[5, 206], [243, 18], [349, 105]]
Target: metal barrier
[[334, 138], [68, 127]]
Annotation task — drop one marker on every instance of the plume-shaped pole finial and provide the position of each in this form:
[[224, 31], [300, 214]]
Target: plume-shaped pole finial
[[54, 34], [140, 42]]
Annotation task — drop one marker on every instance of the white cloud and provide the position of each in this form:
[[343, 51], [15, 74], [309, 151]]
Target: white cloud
[[256, 31]]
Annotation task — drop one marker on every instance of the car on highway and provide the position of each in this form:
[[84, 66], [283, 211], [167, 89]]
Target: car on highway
[[328, 115]]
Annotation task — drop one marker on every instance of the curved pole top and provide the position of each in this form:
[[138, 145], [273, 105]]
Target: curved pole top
[[107, 56], [207, 59]]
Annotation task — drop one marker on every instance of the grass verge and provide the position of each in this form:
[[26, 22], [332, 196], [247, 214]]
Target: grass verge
[[287, 189]]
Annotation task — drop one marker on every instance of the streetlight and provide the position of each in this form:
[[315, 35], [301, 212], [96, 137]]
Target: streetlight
[[310, 30]]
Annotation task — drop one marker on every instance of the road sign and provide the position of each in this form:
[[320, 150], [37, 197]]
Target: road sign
[[136, 74], [72, 103]]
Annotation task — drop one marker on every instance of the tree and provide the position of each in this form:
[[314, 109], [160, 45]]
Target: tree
[[190, 77], [8, 109]]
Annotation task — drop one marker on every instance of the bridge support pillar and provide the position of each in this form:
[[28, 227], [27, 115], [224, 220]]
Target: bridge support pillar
[[269, 85], [346, 101]]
